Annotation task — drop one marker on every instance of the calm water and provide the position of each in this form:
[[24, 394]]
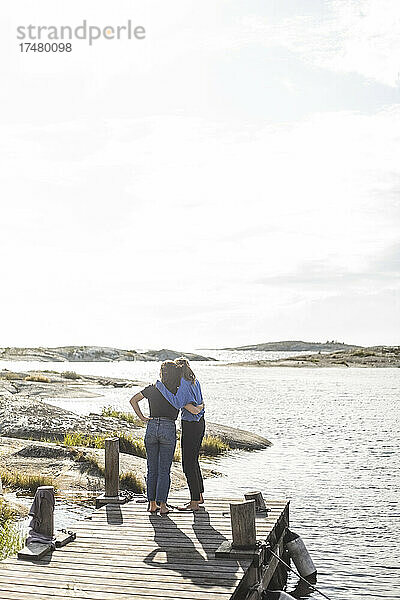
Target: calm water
[[334, 455]]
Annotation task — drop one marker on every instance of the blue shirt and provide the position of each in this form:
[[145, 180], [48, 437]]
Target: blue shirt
[[187, 393]]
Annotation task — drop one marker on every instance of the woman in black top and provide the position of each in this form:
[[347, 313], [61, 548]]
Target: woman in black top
[[160, 438]]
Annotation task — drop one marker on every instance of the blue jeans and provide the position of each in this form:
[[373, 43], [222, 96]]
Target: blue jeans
[[160, 442]]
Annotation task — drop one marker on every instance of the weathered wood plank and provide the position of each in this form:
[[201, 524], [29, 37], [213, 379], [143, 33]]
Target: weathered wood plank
[[125, 586], [169, 568], [89, 592], [158, 575]]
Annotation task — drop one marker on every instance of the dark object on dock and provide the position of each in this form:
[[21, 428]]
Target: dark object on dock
[[298, 552], [41, 538], [111, 475], [64, 537]]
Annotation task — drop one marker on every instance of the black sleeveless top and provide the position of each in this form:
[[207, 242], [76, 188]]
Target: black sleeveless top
[[159, 405]]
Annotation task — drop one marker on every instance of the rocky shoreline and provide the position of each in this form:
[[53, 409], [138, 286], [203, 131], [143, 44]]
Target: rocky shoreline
[[373, 357], [93, 354], [26, 419]]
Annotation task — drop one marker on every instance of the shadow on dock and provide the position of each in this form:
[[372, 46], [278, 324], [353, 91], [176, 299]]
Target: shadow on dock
[[114, 514], [204, 531], [180, 551]]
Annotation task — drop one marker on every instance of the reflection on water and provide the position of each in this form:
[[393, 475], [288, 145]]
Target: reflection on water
[[334, 454]]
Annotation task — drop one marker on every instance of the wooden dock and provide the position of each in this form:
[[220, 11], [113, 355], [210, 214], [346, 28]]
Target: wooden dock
[[122, 552]]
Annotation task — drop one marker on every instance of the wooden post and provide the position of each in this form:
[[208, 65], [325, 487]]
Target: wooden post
[[243, 521], [42, 526], [112, 467], [258, 499], [111, 475], [46, 526], [1, 488]]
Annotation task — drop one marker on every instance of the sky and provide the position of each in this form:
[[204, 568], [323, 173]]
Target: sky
[[233, 178]]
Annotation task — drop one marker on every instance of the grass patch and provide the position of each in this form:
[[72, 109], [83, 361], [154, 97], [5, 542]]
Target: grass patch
[[213, 446], [130, 445], [38, 378], [108, 411], [6, 513], [82, 439], [130, 481], [70, 375], [26, 482], [10, 538], [127, 443]]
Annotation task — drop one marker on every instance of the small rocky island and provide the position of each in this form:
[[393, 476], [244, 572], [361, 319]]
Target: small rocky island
[[92, 354], [373, 357], [297, 346]]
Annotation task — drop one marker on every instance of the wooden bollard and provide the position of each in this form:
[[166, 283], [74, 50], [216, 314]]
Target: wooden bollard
[[243, 521], [258, 499], [112, 467], [111, 475], [46, 526], [40, 540]]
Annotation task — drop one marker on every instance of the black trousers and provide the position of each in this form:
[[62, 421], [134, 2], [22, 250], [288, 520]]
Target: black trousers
[[191, 438]]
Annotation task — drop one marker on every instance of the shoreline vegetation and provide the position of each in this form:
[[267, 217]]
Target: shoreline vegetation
[[11, 539], [37, 438], [372, 357]]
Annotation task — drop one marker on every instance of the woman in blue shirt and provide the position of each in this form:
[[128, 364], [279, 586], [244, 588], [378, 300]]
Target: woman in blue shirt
[[193, 427]]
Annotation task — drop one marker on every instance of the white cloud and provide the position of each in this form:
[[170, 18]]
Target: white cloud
[[356, 36]]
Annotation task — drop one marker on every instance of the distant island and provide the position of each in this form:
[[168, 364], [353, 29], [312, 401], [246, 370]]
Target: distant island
[[92, 354], [297, 346], [375, 356]]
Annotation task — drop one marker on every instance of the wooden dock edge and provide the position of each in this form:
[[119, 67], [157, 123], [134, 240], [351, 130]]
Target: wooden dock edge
[[266, 568]]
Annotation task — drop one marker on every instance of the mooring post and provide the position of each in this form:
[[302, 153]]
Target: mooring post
[[111, 474], [243, 521], [258, 499], [112, 467], [40, 540], [46, 525]]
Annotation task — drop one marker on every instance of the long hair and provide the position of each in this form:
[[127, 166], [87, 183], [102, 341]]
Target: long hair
[[171, 374], [187, 372]]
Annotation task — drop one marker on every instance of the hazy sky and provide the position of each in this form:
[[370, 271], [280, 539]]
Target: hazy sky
[[233, 178]]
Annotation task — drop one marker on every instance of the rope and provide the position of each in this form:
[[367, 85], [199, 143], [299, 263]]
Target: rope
[[298, 575]]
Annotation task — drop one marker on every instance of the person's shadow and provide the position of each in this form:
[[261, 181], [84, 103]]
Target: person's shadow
[[181, 553], [209, 537]]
